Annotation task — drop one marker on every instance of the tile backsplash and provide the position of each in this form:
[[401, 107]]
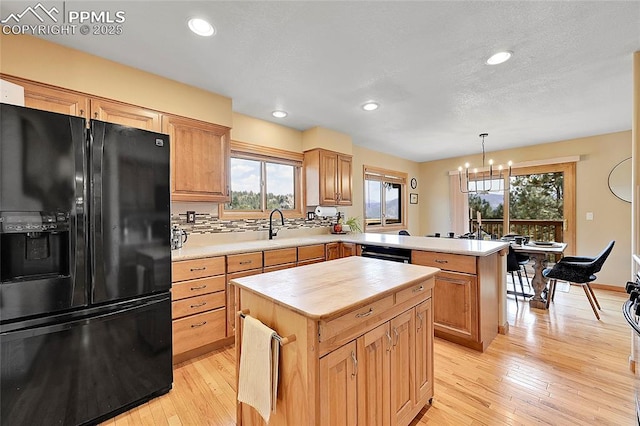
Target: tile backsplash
[[207, 223]]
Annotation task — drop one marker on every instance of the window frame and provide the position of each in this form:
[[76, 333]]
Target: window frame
[[264, 154], [385, 176]]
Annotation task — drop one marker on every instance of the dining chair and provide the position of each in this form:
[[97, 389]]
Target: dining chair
[[578, 270]]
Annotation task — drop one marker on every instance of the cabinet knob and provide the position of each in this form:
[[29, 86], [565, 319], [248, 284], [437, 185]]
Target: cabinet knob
[[81, 113], [95, 115]]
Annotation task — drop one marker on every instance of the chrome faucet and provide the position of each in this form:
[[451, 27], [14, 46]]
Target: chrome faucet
[[273, 233]]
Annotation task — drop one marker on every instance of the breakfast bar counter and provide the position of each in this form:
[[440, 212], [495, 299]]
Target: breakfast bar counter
[[361, 340]]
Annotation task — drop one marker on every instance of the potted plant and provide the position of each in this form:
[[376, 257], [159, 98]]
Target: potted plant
[[354, 225]]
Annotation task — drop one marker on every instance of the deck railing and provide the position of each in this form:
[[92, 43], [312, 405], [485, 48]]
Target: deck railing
[[538, 230]]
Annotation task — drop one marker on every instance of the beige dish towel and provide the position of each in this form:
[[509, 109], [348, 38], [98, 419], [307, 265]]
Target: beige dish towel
[[258, 376]]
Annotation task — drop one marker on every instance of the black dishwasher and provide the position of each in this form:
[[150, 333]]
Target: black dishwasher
[[394, 254]]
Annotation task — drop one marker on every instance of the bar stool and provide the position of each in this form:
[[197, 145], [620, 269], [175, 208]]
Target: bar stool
[[514, 266]]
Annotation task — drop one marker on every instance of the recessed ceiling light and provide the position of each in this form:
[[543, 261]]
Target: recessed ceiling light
[[201, 27], [499, 58], [279, 114], [371, 106]]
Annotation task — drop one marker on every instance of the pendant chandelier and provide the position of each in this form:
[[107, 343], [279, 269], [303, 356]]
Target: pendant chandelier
[[483, 183]]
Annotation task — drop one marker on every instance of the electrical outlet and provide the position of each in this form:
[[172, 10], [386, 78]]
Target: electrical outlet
[[589, 216], [191, 216]]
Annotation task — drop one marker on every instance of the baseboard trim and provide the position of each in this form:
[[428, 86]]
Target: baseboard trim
[[194, 353], [608, 287]]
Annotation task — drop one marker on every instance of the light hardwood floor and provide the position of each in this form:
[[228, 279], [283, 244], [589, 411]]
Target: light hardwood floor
[[561, 367]]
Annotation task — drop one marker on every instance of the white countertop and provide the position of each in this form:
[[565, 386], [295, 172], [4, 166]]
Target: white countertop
[[444, 245]]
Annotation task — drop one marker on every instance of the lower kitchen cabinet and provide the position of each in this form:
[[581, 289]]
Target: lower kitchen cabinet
[[456, 312], [332, 251], [347, 249], [238, 266], [198, 330], [198, 304], [424, 351], [464, 297], [373, 356], [338, 387], [311, 254], [384, 377]]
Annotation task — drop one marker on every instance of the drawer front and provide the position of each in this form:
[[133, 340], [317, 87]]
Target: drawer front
[[197, 304], [197, 287], [278, 267], [309, 262], [446, 261], [197, 268], [354, 318], [416, 292], [310, 252], [280, 257], [244, 261], [198, 330]]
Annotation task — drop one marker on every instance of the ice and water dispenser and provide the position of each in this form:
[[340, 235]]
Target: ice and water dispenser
[[34, 245]]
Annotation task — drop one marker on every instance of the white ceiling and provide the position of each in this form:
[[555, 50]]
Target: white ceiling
[[423, 61]]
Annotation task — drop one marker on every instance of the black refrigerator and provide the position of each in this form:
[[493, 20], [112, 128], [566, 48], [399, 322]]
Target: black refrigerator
[[85, 268]]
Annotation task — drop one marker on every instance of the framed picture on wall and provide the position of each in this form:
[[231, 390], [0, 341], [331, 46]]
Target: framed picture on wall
[[413, 198]]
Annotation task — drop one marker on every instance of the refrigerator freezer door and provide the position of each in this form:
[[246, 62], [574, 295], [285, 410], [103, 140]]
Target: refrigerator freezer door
[[86, 369], [130, 212], [42, 212]]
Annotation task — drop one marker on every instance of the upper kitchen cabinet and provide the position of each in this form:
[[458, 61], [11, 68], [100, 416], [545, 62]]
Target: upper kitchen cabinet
[[126, 115], [328, 177], [47, 98], [63, 101], [199, 159]]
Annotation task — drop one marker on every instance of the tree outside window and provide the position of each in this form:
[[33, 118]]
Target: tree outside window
[[261, 180]]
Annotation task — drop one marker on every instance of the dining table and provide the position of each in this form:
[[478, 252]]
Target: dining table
[[539, 251]]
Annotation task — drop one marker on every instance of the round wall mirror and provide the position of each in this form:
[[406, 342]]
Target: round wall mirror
[[620, 180]]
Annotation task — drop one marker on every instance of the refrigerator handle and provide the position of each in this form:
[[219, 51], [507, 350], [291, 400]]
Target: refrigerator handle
[[96, 232], [78, 219]]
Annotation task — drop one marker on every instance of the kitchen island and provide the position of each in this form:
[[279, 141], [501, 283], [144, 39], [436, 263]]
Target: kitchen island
[[363, 346]]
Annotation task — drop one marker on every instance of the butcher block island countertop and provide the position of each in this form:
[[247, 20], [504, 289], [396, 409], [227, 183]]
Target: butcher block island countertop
[[360, 334]]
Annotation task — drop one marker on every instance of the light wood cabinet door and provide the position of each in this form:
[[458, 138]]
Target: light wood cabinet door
[[344, 180], [374, 394], [455, 302], [46, 98], [328, 178], [338, 387], [199, 160], [332, 251], [424, 351], [126, 115], [402, 367], [347, 249]]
